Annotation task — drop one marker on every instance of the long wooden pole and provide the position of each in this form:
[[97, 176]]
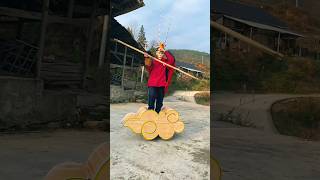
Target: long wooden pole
[[138, 50]]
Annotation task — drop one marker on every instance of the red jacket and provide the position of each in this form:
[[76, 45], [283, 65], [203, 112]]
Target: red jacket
[[160, 75]]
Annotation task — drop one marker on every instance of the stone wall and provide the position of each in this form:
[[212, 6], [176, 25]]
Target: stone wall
[[118, 95], [24, 104]]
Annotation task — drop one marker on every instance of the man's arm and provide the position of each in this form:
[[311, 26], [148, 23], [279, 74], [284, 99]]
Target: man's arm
[[171, 61], [169, 57]]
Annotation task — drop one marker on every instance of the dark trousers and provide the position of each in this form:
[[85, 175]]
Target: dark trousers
[[155, 95]]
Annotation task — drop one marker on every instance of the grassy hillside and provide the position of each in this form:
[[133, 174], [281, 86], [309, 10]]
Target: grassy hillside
[[191, 56], [265, 73]]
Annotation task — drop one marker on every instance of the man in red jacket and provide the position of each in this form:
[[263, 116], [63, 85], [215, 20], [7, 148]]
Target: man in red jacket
[[159, 77]]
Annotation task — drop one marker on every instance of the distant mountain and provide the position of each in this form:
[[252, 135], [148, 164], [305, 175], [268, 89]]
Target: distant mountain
[[191, 56]]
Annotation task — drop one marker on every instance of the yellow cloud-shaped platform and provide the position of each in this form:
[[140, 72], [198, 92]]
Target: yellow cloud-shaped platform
[[151, 124]]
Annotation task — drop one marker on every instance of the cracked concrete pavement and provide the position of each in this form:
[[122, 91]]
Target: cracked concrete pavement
[[186, 156]]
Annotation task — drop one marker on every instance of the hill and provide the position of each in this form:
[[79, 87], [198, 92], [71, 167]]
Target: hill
[[191, 56], [262, 73]]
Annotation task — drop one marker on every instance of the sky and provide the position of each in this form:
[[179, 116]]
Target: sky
[[183, 24]]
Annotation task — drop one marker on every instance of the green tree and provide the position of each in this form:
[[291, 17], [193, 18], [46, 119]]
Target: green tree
[[142, 37]]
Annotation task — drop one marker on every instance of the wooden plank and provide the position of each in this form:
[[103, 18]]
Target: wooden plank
[[103, 40], [52, 67], [121, 66], [61, 64], [44, 23], [72, 21], [61, 70], [12, 12], [61, 78], [59, 74], [69, 82]]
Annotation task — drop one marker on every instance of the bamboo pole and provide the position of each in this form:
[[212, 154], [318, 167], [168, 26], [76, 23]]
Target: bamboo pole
[[138, 50]]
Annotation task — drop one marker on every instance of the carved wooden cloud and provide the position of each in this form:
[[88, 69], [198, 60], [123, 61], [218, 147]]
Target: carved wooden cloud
[[151, 124]]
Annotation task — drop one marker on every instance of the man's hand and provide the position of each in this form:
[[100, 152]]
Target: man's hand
[[147, 59]]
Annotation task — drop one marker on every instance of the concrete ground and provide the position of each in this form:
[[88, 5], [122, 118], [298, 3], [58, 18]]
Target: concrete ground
[[253, 109], [30, 156], [186, 156], [254, 154], [250, 154]]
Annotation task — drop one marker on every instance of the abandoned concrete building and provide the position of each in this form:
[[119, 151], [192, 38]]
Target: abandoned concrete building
[[54, 60], [256, 24]]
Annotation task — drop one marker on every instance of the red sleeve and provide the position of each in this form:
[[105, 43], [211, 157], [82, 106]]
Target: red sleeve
[[170, 58], [171, 61]]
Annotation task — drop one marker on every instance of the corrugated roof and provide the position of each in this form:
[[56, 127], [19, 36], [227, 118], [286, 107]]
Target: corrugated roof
[[264, 26], [188, 66], [246, 12]]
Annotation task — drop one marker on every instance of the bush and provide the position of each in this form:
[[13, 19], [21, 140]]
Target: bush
[[265, 73], [203, 98], [298, 117], [187, 84]]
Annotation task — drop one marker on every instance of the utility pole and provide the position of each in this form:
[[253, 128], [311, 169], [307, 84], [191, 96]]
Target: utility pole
[[201, 59]]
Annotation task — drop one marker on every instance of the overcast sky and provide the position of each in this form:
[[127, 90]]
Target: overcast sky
[[187, 22]]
